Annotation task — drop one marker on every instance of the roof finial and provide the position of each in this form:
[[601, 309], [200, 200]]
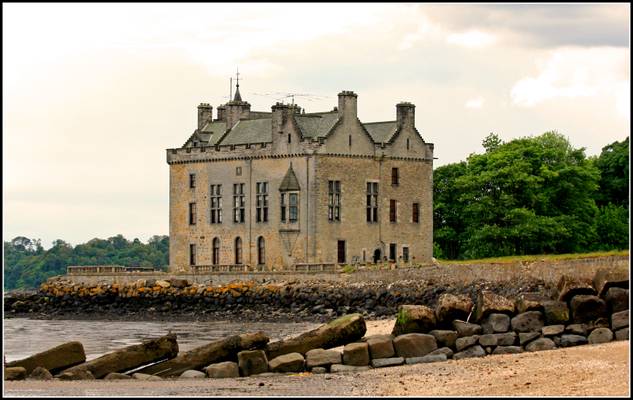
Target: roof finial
[[237, 86]]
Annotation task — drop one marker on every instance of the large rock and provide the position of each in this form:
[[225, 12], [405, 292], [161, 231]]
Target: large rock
[[414, 345], [473, 351], [130, 357], [386, 362], [219, 350], [40, 374], [600, 335], [555, 312], [488, 303], [465, 342], [381, 346], [507, 350], [617, 299], [466, 328], [576, 329], [488, 340], [14, 373], [291, 362], [529, 321], [587, 308], [540, 345], [606, 278], [569, 287], [322, 358], [451, 307], [526, 337], [226, 369], [356, 354], [495, 323], [55, 360], [529, 302], [192, 374], [552, 330], [429, 358], [620, 320], [179, 283], [506, 339], [76, 375], [252, 362], [413, 319], [622, 334], [444, 337], [572, 340], [442, 350], [343, 330]]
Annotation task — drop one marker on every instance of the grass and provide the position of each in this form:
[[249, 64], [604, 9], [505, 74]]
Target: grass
[[538, 257]]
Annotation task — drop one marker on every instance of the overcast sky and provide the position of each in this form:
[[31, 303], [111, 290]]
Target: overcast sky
[[93, 94]]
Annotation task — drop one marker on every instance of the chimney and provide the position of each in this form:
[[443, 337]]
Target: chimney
[[405, 114], [347, 105], [236, 110], [281, 113], [221, 113], [205, 114]]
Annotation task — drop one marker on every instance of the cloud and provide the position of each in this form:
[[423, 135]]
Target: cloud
[[577, 72], [477, 102], [471, 39]]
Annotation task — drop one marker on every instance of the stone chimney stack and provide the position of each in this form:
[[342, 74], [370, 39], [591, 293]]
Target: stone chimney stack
[[221, 113], [236, 110], [280, 114], [205, 114], [405, 114], [347, 105]]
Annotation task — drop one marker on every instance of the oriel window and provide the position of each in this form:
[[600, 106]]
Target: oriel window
[[293, 207]]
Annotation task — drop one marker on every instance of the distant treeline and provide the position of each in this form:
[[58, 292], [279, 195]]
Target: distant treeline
[[532, 195], [27, 264]]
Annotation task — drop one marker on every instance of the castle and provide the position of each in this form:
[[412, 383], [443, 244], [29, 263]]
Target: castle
[[273, 190]]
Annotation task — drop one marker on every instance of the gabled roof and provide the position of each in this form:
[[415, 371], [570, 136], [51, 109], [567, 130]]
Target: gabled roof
[[381, 132], [290, 181], [249, 131], [316, 125]]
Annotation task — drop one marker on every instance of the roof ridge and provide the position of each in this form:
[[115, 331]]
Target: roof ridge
[[379, 122]]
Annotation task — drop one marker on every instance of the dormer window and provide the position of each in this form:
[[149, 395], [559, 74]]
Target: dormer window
[[289, 197], [195, 144]]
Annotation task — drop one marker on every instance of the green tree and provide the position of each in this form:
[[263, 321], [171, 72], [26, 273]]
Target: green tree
[[613, 164]]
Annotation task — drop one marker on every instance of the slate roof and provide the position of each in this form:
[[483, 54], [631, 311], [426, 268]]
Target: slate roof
[[290, 181], [316, 125], [249, 131], [381, 131]]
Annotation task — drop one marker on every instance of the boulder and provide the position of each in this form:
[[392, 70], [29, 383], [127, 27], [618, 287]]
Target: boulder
[[465, 342], [40, 374], [488, 340], [386, 362], [14, 373], [356, 354], [529, 302], [466, 329], [552, 330], [443, 350], [163, 284], [451, 307], [429, 358], [414, 345], [622, 334], [322, 358], [555, 312], [179, 283], [55, 360], [146, 377], [116, 376], [540, 345], [597, 323], [340, 368], [291, 362], [226, 369], [252, 362], [75, 375], [576, 329], [473, 351], [620, 320], [495, 323], [587, 308], [568, 340], [506, 339], [507, 350], [130, 357], [381, 346], [600, 335], [219, 350], [569, 287], [529, 321], [488, 303], [526, 337], [617, 299], [444, 337], [319, 370], [413, 319], [343, 330], [606, 278], [192, 374]]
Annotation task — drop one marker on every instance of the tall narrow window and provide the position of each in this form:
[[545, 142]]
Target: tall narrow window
[[394, 176], [238, 250], [392, 211], [372, 201], [192, 213], [349, 139], [293, 207], [215, 197], [405, 254], [261, 251], [416, 212], [392, 251], [289, 138], [262, 202], [238, 203], [192, 181], [283, 207], [407, 143], [334, 201], [215, 255], [192, 254]]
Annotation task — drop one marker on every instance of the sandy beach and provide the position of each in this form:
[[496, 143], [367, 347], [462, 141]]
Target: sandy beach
[[590, 370]]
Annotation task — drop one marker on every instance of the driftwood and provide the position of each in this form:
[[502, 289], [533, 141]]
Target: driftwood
[[130, 357], [56, 359], [201, 357], [341, 331]]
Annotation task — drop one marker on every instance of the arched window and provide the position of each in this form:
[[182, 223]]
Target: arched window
[[238, 250], [261, 251], [215, 256]]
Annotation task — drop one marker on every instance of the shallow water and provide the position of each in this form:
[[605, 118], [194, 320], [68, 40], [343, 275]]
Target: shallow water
[[24, 337]]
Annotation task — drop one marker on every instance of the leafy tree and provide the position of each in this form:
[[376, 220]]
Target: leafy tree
[[613, 164]]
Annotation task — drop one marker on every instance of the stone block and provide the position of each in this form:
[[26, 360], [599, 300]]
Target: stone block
[[466, 328], [319, 370], [381, 346], [506, 339], [322, 358], [444, 338], [40, 374], [569, 340], [227, 369], [606, 278], [341, 368], [569, 287], [552, 330], [356, 354], [507, 350], [387, 362], [488, 303], [429, 358], [488, 340], [291, 362], [540, 344], [529, 321], [473, 351], [414, 345], [451, 307], [413, 319], [617, 299], [526, 337], [576, 329], [622, 334], [443, 350], [495, 323], [529, 302], [465, 342], [192, 374], [76, 375], [587, 308], [55, 360], [620, 320], [252, 362], [600, 335], [555, 312], [14, 373]]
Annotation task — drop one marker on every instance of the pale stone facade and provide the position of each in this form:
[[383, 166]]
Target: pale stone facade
[[311, 168]]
